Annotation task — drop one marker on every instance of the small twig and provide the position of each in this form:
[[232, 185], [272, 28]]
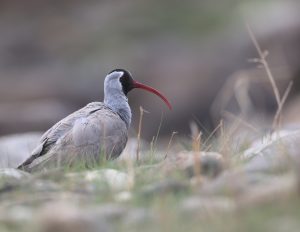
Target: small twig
[[212, 134], [131, 174], [158, 130], [208, 148], [197, 161], [262, 60], [152, 147], [222, 128], [201, 125], [239, 119], [196, 142], [139, 134], [277, 117], [170, 142], [226, 139]]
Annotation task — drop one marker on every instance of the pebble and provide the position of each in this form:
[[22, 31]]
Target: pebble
[[116, 180], [211, 163], [61, 216], [201, 206], [165, 186]]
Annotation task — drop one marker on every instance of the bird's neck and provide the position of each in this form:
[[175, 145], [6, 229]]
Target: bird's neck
[[118, 102]]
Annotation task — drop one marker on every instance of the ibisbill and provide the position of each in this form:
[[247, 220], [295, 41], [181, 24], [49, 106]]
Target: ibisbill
[[95, 132]]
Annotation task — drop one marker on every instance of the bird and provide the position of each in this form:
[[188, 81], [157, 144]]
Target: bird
[[96, 132]]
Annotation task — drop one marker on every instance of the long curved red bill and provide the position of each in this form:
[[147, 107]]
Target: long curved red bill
[[152, 90]]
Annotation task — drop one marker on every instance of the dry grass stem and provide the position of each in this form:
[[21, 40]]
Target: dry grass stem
[[221, 128], [139, 134], [277, 117], [196, 142], [131, 174], [262, 60], [158, 130], [212, 134], [280, 101], [240, 120], [170, 142], [197, 161], [152, 145], [225, 141], [225, 94], [222, 136]]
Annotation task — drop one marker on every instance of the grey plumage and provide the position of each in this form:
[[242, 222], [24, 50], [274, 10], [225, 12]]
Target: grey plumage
[[95, 132], [82, 138]]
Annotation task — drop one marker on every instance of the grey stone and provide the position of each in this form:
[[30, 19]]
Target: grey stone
[[276, 152], [234, 182], [15, 149], [10, 179], [13, 173], [163, 187], [205, 206], [210, 164], [111, 211], [115, 180], [139, 217], [68, 218], [17, 215]]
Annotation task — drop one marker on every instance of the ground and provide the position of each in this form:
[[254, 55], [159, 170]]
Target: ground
[[248, 190]]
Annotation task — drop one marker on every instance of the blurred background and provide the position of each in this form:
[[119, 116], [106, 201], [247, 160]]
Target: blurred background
[[54, 56]]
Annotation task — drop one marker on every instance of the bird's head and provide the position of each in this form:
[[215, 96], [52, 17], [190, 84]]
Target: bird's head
[[121, 80]]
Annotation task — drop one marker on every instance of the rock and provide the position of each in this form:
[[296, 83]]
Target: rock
[[11, 178], [250, 188], [211, 163], [123, 196], [235, 182], [205, 206], [165, 186], [17, 215], [276, 189], [127, 216], [110, 211], [275, 152], [45, 186], [138, 217], [68, 218], [115, 180], [13, 173], [15, 149]]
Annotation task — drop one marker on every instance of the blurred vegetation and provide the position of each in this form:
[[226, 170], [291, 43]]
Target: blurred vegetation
[[54, 55]]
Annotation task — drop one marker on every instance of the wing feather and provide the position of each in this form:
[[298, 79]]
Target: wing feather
[[60, 129]]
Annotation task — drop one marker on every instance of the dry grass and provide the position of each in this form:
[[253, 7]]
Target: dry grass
[[262, 60], [170, 143], [139, 134], [196, 146]]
